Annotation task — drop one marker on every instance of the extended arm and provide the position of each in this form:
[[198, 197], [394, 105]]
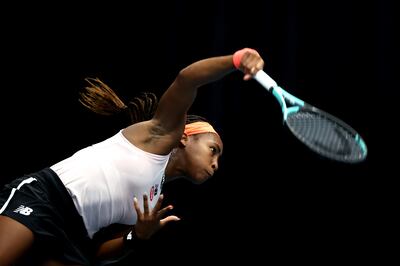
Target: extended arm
[[167, 125], [176, 101]]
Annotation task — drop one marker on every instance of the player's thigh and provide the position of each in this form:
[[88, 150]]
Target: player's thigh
[[15, 240]]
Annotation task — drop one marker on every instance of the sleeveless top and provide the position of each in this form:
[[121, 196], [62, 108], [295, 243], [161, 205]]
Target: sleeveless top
[[103, 179]]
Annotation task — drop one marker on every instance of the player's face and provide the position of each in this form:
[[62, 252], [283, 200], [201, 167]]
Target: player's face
[[202, 153]]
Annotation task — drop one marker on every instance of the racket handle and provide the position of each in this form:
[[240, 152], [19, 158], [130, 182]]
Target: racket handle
[[265, 80]]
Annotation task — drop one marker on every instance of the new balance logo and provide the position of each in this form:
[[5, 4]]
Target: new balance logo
[[23, 210], [129, 236]]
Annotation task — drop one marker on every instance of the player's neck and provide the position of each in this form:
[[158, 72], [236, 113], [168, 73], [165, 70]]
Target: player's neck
[[173, 170]]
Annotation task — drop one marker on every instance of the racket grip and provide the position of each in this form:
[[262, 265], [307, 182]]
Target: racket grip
[[265, 80]]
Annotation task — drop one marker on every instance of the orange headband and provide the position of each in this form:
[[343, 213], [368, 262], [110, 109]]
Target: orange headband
[[199, 127]]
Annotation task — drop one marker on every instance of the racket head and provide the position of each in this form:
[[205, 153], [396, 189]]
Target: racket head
[[326, 134]]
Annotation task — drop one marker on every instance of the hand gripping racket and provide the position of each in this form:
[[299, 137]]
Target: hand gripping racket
[[321, 132]]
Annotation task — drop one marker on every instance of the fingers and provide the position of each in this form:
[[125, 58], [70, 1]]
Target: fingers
[[171, 218], [247, 76], [146, 209], [136, 205], [260, 64], [251, 63], [162, 212], [155, 212], [150, 220], [159, 202]]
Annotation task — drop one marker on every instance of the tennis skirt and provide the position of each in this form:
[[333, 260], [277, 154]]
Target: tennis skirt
[[41, 202]]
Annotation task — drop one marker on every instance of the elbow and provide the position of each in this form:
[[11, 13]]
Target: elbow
[[187, 77]]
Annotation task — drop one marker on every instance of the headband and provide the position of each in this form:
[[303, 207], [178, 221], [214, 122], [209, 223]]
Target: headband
[[199, 127]]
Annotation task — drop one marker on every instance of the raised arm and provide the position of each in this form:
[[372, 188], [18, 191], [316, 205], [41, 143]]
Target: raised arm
[[168, 123], [178, 98]]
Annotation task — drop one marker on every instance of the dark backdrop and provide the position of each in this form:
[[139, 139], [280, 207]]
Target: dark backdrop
[[272, 198]]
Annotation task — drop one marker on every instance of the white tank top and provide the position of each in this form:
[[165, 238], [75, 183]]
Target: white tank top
[[103, 179]]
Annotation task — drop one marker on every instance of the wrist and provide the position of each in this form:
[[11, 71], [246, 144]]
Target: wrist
[[237, 56], [132, 240]]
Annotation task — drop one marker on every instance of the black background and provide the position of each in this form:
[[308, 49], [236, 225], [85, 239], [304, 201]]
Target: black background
[[272, 198]]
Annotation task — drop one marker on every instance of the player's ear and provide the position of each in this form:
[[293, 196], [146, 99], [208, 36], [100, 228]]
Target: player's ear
[[184, 140]]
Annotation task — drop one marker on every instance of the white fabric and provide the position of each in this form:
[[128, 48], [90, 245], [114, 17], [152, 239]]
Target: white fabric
[[103, 179]]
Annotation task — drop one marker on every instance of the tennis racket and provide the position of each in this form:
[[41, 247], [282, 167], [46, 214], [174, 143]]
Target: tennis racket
[[321, 132]]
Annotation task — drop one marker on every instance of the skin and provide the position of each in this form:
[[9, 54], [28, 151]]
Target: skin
[[196, 159], [15, 240], [193, 156]]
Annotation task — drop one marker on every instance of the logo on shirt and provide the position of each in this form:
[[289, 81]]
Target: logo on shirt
[[23, 210], [156, 188], [153, 191], [162, 181]]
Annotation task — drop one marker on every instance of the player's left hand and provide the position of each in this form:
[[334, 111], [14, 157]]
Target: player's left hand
[[150, 221]]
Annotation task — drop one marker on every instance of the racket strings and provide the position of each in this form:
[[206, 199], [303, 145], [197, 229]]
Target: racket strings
[[325, 136]]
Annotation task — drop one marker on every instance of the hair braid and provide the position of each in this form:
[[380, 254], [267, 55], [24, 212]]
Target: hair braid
[[98, 97], [143, 107], [101, 99]]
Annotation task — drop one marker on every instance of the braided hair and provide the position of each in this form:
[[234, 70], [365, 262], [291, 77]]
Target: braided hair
[[101, 99]]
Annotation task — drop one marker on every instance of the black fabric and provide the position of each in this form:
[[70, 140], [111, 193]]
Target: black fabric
[[45, 206]]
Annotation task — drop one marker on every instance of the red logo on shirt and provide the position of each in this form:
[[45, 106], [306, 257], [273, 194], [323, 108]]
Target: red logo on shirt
[[152, 193]]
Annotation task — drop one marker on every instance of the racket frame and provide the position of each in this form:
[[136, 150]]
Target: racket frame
[[283, 97]]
